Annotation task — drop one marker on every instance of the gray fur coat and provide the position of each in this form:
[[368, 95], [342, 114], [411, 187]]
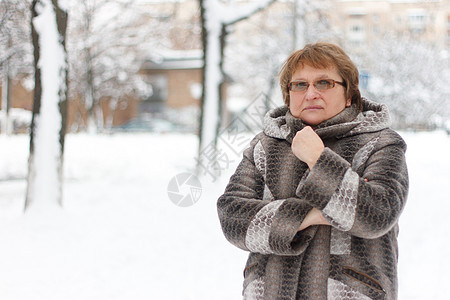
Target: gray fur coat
[[360, 183]]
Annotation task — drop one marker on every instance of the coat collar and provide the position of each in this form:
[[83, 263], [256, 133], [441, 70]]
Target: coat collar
[[280, 123]]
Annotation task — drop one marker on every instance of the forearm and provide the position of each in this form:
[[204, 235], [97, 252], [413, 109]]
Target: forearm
[[253, 223], [368, 205]]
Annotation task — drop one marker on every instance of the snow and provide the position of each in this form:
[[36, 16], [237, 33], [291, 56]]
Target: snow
[[424, 225], [118, 235]]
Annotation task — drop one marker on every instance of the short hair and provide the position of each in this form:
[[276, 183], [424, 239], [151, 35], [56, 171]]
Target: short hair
[[322, 55]]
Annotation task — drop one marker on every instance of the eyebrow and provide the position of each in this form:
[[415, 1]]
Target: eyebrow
[[320, 76]]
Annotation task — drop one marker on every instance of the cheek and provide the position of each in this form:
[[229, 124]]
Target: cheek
[[294, 100], [340, 100]]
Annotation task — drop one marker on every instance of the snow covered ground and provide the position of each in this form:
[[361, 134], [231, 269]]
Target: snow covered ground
[[120, 237]]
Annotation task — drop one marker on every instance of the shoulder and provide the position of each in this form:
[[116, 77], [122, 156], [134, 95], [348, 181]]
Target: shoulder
[[265, 143], [391, 137], [256, 140], [263, 138]]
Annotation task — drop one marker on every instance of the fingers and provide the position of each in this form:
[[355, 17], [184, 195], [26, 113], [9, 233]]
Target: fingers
[[307, 133], [307, 146]]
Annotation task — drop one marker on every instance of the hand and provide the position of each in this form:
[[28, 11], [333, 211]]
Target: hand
[[307, 146], [313, 217]]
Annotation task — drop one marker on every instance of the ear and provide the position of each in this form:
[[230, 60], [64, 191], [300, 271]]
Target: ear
[[348, 103]]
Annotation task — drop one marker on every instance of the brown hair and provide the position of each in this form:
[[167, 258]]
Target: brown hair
[[322, 55]]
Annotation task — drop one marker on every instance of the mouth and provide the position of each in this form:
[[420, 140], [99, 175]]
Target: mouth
[[313, 107]]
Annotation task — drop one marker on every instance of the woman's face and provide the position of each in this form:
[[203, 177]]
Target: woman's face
[[313, 106]]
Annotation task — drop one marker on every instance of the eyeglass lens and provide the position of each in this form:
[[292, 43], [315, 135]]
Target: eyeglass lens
[[323, 84]]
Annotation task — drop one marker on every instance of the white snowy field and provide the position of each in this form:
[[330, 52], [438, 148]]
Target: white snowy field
[[118, 235]]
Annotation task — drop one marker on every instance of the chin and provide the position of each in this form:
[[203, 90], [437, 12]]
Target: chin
[[311, 120], [312, 123]]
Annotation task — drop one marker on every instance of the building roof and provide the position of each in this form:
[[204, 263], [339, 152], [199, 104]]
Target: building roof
[[175, 60]]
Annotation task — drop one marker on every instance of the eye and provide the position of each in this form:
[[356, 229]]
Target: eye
[[323, 84], [300, 84]]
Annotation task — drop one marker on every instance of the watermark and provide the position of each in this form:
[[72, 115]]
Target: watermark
[[217, 157], [185, 189]]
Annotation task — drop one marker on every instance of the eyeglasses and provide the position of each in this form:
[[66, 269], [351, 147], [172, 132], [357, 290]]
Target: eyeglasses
[[320, 85]]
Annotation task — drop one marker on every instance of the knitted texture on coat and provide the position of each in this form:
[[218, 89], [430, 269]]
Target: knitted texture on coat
[[360, 184]]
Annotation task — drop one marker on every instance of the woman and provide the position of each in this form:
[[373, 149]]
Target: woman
[[317, 196]]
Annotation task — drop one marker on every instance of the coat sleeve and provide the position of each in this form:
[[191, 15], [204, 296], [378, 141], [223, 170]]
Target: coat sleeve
[[366, 206], [256, 224]]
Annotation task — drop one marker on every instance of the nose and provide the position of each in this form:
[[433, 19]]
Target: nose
[[311, 93]]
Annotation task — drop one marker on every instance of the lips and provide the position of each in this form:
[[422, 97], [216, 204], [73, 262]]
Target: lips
[[313, 107]]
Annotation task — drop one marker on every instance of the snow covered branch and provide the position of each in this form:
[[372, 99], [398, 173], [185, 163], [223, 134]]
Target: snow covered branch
[[235, 14], [229, 14]]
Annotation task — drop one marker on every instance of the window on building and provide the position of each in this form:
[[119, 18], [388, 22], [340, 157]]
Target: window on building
[[357, 29], [356, 33], [156, 100], [375, 18], [448, 29], [159, 85], [417, 22]]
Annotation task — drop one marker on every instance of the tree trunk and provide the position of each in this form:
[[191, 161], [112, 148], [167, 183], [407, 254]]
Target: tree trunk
[[212, 79], [48, 125], [6, 126], [214, 33], [299, 25]]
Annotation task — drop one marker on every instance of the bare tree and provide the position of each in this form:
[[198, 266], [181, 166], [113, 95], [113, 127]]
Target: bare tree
[[411, 77], [48, 127], [109, 41], [15, 51], [274, 33], [216, 17]]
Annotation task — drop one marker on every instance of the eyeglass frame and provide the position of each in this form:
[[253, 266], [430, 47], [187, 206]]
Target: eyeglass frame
[[314, 84]]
